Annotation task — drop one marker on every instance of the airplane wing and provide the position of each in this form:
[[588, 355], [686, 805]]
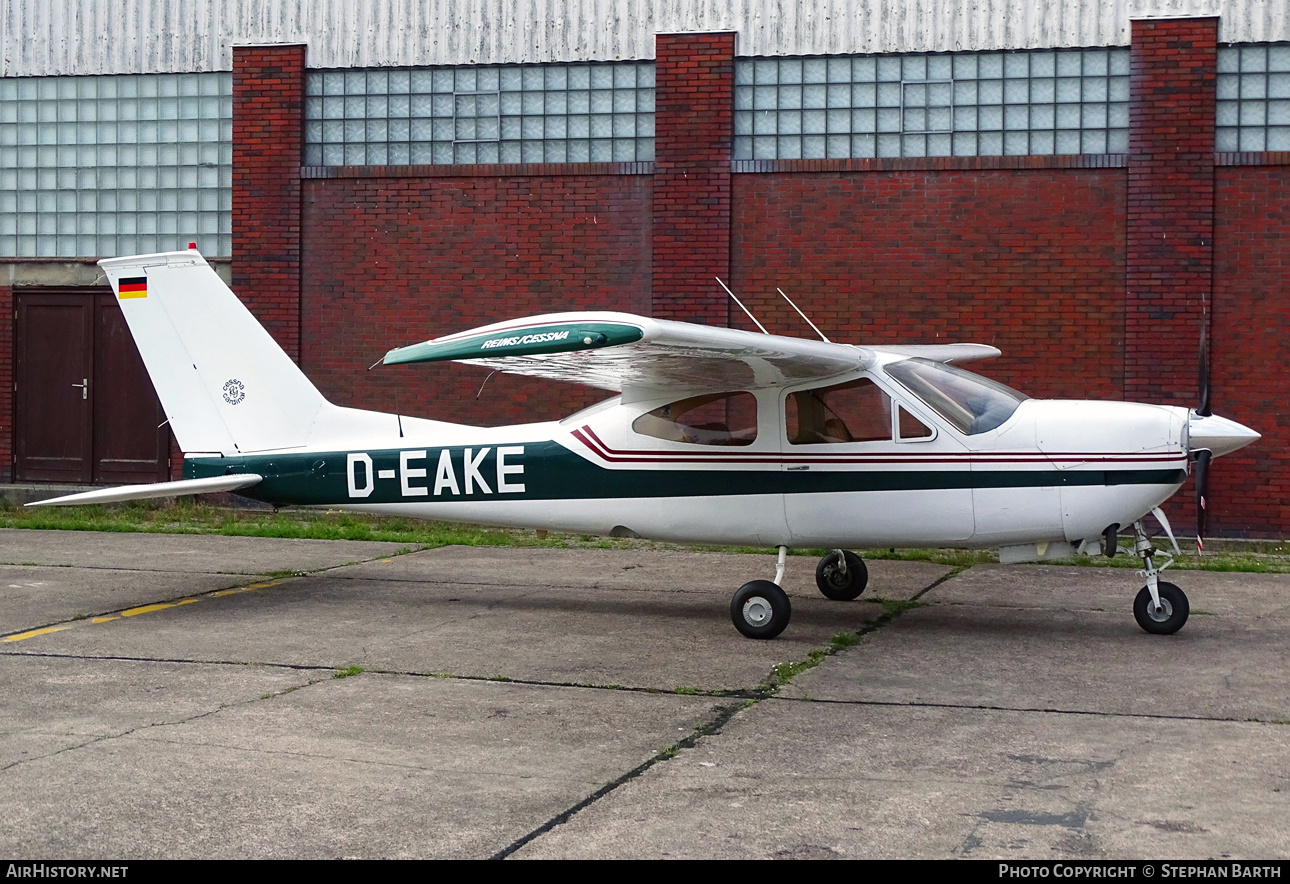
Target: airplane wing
[[944, 352], [617, 351]]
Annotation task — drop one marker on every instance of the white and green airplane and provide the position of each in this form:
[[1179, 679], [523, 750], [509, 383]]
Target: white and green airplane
[[715, 435]]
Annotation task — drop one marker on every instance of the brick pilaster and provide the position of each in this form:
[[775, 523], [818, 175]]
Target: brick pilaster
[[268, 129], [1170, 212], [694, 109], [7, 355]]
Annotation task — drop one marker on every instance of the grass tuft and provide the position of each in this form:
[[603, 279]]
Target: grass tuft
[[185, 516], [844, 640]]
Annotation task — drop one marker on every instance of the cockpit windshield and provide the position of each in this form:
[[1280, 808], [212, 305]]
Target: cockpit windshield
[[970, 403]]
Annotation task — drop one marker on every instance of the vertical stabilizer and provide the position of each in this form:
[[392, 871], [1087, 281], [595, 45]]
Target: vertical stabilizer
[[224, 383]]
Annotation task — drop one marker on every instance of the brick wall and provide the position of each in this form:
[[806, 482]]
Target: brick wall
[[1030, 261], [393, 261], [268, 106], [1169, 247], [694, 107], [1250, 490]]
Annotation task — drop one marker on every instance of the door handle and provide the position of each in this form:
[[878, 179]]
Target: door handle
[[85, 387]]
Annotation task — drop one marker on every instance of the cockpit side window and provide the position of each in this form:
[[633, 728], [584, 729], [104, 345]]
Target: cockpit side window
[[711, 419], [857, 411], [910, 428]]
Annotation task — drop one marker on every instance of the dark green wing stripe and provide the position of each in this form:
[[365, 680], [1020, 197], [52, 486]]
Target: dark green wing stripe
[[536, 340]]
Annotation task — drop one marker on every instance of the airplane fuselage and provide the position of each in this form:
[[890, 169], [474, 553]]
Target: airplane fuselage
[[1053, 471]]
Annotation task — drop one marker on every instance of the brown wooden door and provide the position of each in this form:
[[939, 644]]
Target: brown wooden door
[[55, 361], [86, 410]]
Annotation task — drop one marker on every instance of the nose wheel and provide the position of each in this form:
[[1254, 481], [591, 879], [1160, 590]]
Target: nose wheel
[[1161, 608], [1164, 618]]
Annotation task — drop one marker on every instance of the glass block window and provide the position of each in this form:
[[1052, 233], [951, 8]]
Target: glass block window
[[551, 113], [115, 165], [956, 104], [1253, 97]]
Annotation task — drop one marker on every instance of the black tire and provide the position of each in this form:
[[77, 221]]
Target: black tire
[[836, 585], [760, 609], [1174, 602]]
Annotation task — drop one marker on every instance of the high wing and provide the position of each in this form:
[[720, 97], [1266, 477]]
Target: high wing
[[943, 352], [621, 351]]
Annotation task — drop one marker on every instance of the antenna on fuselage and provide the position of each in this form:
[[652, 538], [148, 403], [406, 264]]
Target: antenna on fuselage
[[803, 315], [742, 307]]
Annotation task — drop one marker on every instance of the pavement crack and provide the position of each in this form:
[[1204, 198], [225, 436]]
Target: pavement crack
[[949, 575], [915, 704], [779, 676], [143, 728], [708, 728], [331, 668]]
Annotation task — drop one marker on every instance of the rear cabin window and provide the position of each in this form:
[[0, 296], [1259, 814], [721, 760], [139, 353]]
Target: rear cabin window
[[857, 411], [711, 419]]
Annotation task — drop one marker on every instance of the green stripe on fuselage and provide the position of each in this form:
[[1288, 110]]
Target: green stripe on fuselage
[[549, 471]]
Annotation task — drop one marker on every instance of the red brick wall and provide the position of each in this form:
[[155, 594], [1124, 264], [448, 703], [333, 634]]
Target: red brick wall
[[1171, 205], [7, 405], [393, 261], [1250, 490], [694, 107], [268, 121], [1030, 261]]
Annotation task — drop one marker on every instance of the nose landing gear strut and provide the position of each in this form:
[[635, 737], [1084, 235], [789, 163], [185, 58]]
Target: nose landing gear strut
[[1161, 608]]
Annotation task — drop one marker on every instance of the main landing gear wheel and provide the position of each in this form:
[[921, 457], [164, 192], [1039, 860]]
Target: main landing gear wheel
[[1169, 617], [837, 584], [760, 609]]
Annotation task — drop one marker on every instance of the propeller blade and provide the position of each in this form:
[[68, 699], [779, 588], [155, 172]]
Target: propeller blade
[[1202, 383], [1203, 458]]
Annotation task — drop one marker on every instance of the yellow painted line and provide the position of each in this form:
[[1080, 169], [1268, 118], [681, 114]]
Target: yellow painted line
[[145, 609], [224, 592], [33, 633], [134, 612], [148, 609]]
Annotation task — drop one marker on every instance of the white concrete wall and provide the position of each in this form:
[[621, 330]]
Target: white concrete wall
[[44, 37]]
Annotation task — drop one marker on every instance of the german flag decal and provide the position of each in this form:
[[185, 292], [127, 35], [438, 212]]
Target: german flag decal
[[133, 287]]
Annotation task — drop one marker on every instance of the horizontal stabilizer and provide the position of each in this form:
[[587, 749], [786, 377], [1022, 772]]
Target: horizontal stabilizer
[[159, 489]]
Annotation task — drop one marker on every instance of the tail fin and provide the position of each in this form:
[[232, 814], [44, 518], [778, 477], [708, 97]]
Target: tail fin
[[224, 383]]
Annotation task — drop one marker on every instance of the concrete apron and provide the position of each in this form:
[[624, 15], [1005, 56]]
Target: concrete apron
[[545, 702]]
